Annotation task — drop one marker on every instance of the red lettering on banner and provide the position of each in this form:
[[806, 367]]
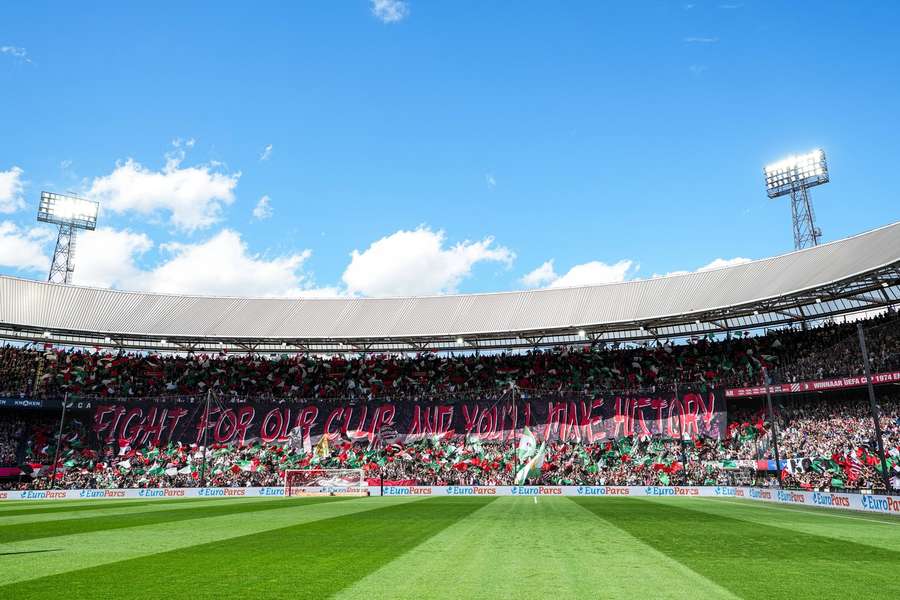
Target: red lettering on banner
[[134, 413], [120, 410], [420, 425], [100, 423], [470, 417], [306, 419], [658, 404], [619, 419], [229, 419], [444, 419], [358, 432], [205, 423], [670, 430], [151, 428], [689, 419], [245, 417], [264, 432], [637, 408], [595, 433], [386, 416], [174, 416], [487, 423], [556, 414], [336, 414]]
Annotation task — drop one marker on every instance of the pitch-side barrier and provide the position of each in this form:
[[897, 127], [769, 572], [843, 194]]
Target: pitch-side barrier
[[861, 502]]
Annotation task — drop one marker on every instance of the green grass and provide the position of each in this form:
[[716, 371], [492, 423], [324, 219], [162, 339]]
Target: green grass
[[444, 548]]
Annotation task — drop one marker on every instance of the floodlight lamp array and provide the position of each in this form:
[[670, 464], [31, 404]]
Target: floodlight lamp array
[[62, 209], [796, 172]]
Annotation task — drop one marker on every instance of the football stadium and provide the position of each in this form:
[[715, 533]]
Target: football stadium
[[726, 432]]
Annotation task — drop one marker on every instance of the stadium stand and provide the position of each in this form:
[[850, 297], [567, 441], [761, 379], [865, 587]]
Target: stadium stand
[[104, 352], [830, 437]]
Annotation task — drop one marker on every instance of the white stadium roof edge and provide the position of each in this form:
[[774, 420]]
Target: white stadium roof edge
[[851, 275]]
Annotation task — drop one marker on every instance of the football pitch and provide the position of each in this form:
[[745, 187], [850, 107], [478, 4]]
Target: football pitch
[[508, 547]]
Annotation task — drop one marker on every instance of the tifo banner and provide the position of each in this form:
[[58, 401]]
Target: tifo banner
[[551, 417], [813, 386], [862, 502]]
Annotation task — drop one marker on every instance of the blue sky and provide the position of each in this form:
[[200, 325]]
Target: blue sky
[[433, 147]]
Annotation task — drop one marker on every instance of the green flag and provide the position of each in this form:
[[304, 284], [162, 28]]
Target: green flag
[[532, 468], [527, 445]]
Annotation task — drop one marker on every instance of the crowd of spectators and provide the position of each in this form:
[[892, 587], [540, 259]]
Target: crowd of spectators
[[789, 354], [831, 444], [835, 438]]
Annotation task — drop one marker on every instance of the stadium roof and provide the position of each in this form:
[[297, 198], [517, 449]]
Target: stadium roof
[[846, 276]]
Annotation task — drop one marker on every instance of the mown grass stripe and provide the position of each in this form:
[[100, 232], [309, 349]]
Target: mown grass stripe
[[749, 558], [80, 551], [311, 560], [111, 510], [516, 548], [64, 507], [53, 528], [878, 531]]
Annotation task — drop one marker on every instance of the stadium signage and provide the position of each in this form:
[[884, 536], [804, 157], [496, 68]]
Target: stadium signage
[[162, 493], [536, 490], [554, 417], [102, 494], [814, 386], [21, 403], [795, 498], [471, 490], [600, 490], [409, 490], [222, 492], [881, 503], [823, 500], [830, 500]]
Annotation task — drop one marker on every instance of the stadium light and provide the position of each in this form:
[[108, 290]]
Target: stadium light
[[582, 334], [71, 214], [794, 176], [460, 341]]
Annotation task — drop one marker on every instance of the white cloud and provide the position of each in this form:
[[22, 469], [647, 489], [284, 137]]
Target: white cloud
[[724, 262], [266, 153], [701, 40], [416, 262], [489, 178], [717, 263], [107, 258], [697, 70], [220, 265], [263, 209], [390, 11], [15, 52], [595, 273], [11, 188], [65, 164], [590, 273], [543, 275], [24, 250], [193, 196]]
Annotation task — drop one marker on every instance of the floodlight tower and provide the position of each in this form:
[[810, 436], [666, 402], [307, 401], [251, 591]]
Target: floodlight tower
[[71, 214], [795, 175]]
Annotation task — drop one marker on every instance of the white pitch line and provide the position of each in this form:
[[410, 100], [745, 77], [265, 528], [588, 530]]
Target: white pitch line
[[800, 509]]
